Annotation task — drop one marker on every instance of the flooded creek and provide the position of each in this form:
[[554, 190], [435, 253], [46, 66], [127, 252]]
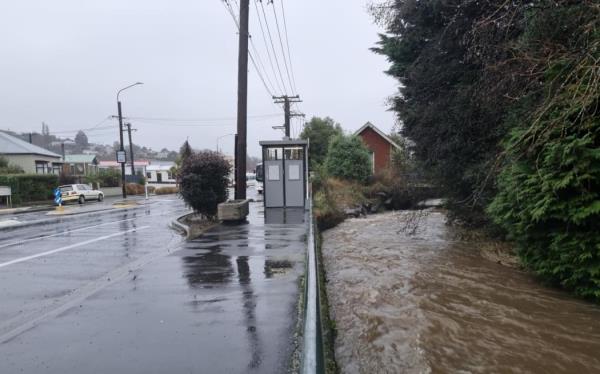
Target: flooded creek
[[407, 297]]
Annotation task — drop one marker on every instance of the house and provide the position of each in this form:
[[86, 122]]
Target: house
[[31, 158], [140, 166], [160, 172], [379, 144], [81, 165]]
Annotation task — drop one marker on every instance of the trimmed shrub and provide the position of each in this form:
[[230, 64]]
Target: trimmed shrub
[[204, 180], [30, 187], [165, 190], [348, 158], [134, 189]]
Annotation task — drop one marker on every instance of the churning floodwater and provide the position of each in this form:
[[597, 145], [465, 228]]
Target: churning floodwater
[[408, 297]]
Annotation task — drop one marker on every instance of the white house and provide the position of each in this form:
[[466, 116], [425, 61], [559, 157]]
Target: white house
[[31, 158], [160, 172]]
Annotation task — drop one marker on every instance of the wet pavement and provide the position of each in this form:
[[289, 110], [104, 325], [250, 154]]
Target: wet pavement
[[120, 292], [408, 297]]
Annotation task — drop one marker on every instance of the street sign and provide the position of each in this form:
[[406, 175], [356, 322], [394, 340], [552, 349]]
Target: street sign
[[57, 196], [121, 157]]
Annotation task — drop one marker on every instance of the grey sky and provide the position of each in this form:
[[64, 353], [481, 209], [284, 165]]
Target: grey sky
[[62, 62]]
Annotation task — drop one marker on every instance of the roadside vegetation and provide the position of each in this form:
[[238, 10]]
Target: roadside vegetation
[[342, 180], [502, 102], [203, 180]]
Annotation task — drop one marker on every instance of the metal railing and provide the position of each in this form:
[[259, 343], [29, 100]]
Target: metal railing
[[312, 353]]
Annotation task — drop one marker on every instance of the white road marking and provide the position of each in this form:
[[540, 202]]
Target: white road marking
[[18, 242], [47, 253]]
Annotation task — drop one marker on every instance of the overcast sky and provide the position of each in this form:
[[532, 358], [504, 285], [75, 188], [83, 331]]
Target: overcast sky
[[62, 62]]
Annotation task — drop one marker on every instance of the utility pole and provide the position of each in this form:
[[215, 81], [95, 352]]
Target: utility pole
[[286, 101], [131, 149], [242, 109], [122, 149]]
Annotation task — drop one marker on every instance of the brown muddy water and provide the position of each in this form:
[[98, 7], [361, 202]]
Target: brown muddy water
[[407, 297]]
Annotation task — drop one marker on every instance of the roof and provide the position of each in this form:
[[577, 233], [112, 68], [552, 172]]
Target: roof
[[281, 143], [160, 167], [371, 126], [9, 145], [116, 164], [80, 159]]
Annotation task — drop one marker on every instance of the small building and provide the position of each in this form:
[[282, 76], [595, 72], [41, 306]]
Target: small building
[[140, 166], [81, 165], [285, 173], [31, 158], [160, 173], [379, 144]]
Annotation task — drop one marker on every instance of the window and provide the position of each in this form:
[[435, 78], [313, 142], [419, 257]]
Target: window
[[56, 168], [169, 175], [296, 153], [149, 175], [40, 167], [273, 173], [294, 172], [274, 154]]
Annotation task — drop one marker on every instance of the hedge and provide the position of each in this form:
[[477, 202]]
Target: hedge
[[30, 187]]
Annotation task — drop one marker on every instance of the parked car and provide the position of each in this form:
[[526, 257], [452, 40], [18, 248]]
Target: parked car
[[80, 193]]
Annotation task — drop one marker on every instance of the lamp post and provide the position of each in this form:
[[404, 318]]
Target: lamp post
[[220, 137], [121, 148]]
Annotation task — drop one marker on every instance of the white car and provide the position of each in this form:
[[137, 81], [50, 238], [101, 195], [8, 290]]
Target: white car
[[80, 193]]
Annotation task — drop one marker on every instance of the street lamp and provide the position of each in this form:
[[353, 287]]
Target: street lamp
[[121, 148], [220, 137]]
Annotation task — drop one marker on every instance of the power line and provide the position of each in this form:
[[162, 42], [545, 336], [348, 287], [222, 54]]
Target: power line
[[258, 71], [282, 48], [287, 42], [273, 46], [262, 29], [217, 119]]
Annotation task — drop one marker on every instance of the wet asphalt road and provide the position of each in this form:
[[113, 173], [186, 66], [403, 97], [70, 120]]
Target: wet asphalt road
[[120, 292]]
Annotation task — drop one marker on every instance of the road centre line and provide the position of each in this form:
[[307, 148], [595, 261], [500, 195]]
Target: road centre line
[[47, 253]]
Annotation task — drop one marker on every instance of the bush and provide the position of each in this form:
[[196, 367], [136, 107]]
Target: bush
[[166, 190], [204, 180], [30, 187], [134, 189], [109, 178], [348, 158], [6, 168], [66, 179]]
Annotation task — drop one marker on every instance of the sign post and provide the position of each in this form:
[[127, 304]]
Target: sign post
[[58, 199]]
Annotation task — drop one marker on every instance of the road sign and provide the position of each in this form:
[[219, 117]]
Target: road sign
[[58, 196], [121, 157]]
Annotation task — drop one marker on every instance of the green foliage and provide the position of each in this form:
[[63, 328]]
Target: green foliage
[[81, 139], [6, 168], [501, 101], [348, 158], [549, 188], [203, 182], [109, 177], [30, 187], [320, 131]]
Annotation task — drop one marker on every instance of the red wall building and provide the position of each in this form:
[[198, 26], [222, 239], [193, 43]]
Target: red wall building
[[380, 145]]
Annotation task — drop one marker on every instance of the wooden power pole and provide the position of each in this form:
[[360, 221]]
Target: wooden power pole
[[242, 109], [286, 101]]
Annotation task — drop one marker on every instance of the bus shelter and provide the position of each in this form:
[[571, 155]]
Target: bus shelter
[[285, 173]]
